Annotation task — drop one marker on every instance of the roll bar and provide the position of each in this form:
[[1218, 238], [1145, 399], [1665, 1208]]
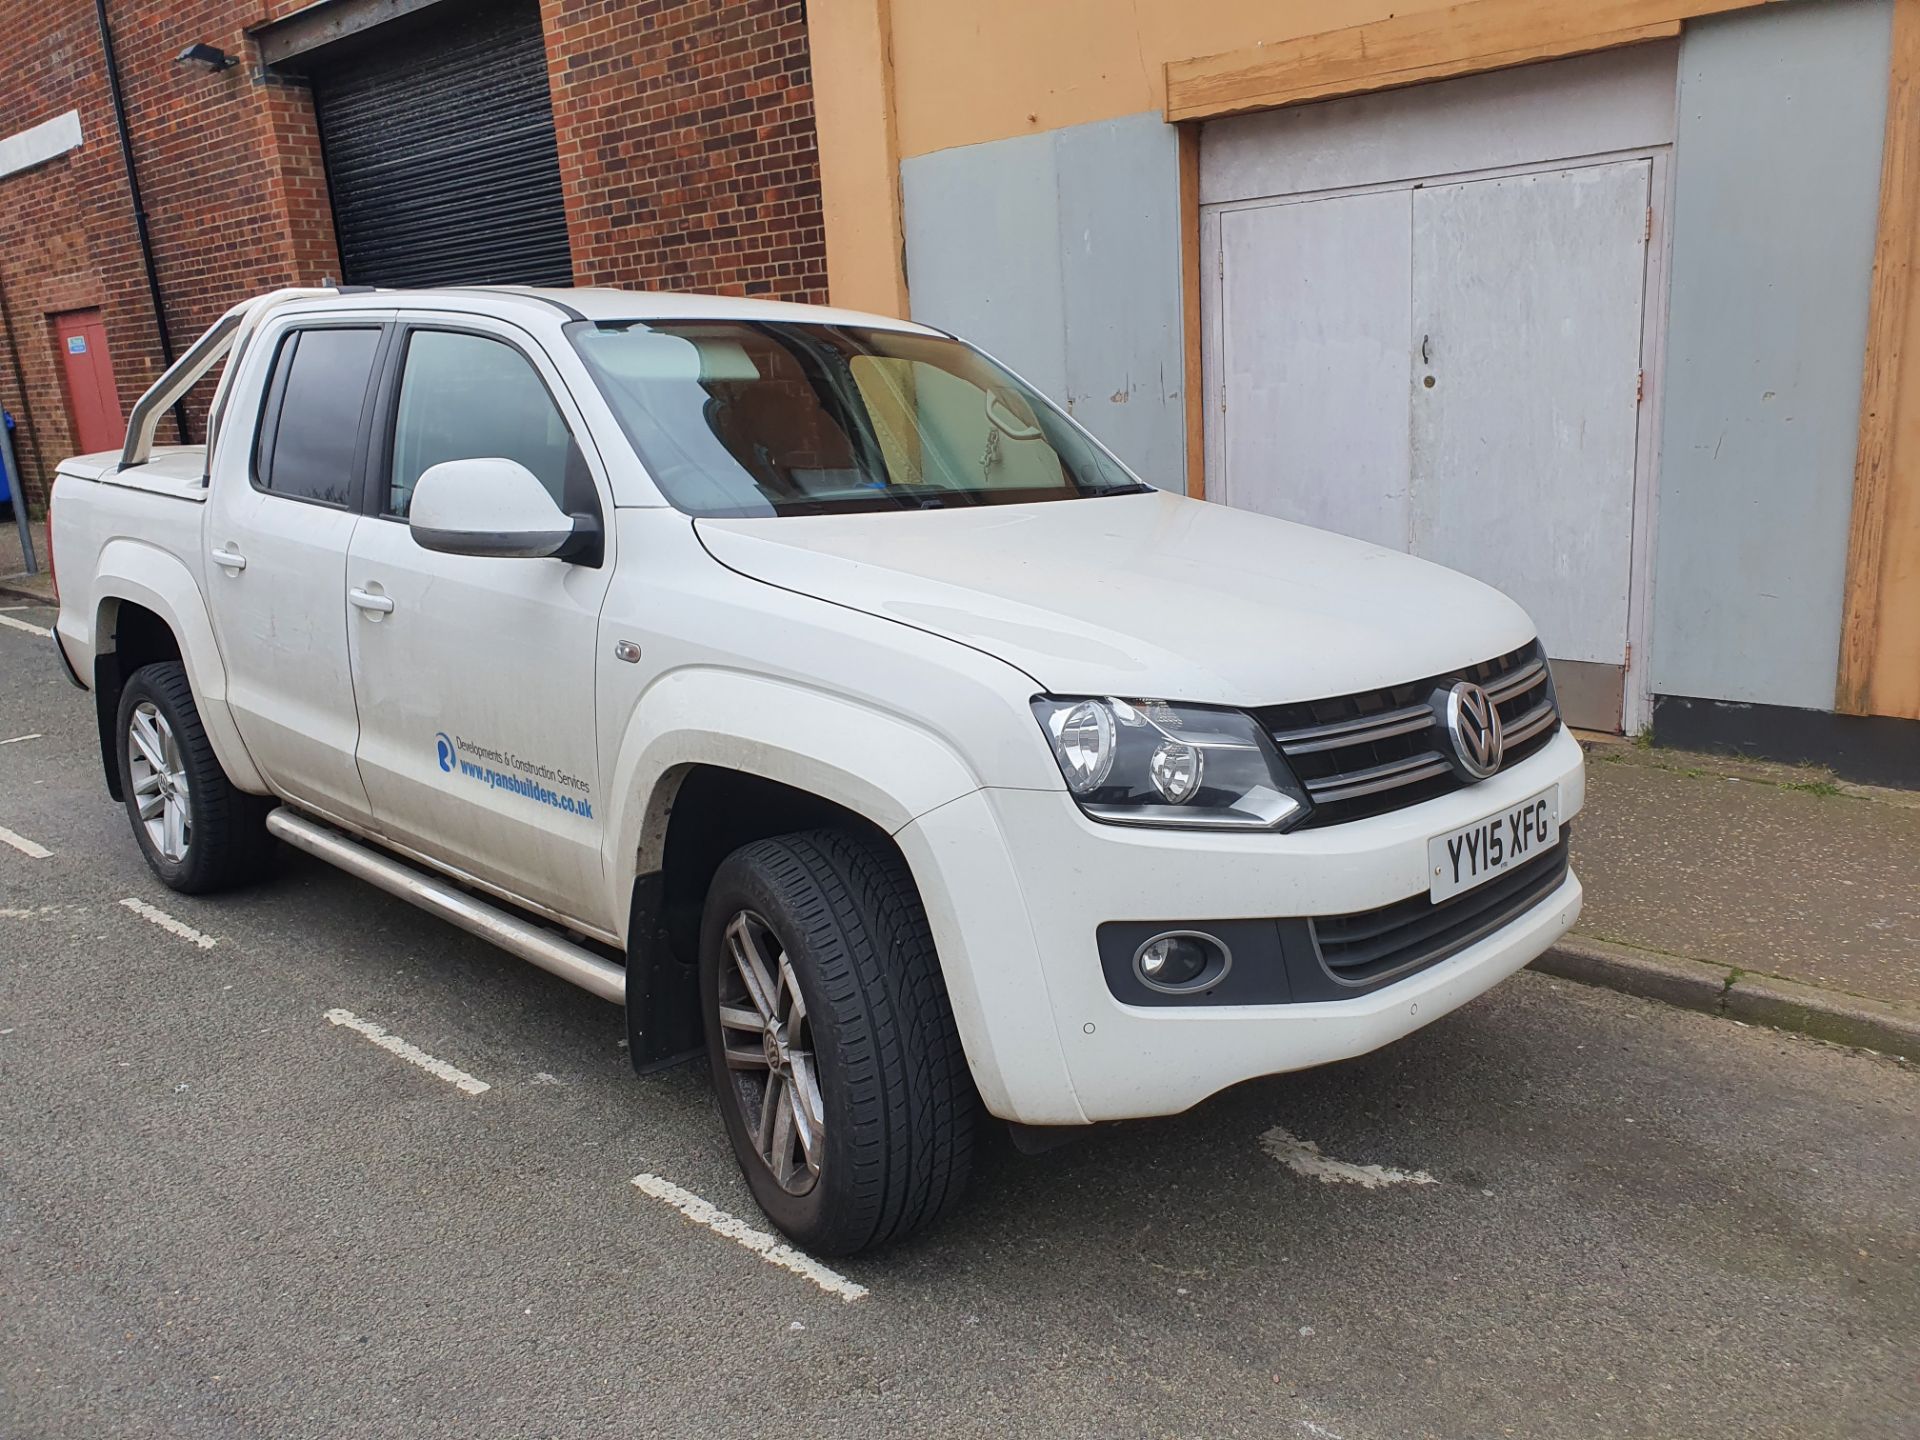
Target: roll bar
[[229, 332]]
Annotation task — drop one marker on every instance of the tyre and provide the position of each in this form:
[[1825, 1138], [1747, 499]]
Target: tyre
[[197, 831], [840, 1074]]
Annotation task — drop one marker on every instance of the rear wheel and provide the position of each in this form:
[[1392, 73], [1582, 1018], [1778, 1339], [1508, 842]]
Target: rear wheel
[[841, 1078], [198, 832]]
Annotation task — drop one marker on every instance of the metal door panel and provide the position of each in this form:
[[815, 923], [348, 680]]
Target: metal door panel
[[440, 153], [1527, 313], [1314, 300], [93, 399]]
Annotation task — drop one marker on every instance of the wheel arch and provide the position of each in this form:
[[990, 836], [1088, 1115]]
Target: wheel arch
[[147, 608], [688, 794], [700, 814]]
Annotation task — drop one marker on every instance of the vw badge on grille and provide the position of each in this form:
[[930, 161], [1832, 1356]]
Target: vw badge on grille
[[1473, 726]]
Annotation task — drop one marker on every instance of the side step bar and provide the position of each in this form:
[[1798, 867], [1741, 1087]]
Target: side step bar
[[477, 917]]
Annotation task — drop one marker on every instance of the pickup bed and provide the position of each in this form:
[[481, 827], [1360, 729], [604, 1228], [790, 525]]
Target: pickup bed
[[812, 686]]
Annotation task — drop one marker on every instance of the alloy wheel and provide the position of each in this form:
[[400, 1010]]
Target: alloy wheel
[[769, 1052], [159, 782]]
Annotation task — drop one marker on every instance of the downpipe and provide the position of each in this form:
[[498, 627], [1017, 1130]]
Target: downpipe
[[572, 963]]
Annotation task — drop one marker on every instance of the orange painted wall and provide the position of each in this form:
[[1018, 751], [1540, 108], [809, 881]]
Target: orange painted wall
[[988, 69], [899, 78]]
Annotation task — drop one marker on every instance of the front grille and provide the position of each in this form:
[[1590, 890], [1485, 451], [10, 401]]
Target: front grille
[[1382, 750], [1378, 945]]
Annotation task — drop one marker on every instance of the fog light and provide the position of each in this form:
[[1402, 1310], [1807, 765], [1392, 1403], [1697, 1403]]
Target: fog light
[[1181, 960]]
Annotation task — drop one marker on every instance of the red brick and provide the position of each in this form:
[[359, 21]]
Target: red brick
[[687, 151]]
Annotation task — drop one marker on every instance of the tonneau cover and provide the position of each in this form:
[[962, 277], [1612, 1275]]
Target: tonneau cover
[[176, 470]]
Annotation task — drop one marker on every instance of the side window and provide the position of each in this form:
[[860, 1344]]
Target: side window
[[310, 425], [465, 397]]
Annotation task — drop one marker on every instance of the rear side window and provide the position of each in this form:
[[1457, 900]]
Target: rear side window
[[465, 397], [310, 427]]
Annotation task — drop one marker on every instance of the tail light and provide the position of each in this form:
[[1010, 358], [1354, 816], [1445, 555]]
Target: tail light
[[53, 570]]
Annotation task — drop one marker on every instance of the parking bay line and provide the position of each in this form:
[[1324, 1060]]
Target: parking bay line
[[25, 846], [8, 620], [155, 915], [412, 1054], [767, 1247]]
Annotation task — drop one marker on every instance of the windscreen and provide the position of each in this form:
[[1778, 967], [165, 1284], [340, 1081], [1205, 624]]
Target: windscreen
[[741, 418]]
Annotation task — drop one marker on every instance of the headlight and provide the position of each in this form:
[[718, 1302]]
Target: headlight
[[1145, 762]]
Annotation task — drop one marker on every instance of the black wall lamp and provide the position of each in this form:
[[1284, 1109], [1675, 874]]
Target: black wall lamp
[[208, 57]]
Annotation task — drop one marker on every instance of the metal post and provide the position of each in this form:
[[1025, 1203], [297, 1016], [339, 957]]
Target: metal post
[[16, 487], [140, 227]]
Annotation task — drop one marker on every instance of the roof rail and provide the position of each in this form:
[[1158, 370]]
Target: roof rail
[[181, 376]]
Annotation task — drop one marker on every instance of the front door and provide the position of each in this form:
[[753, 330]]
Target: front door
[[93, 400], [280, 516], [475, 675]]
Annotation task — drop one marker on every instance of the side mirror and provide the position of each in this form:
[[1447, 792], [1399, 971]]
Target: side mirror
[[493, 507]]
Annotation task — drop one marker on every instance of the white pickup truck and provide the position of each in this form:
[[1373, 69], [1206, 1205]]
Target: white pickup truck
[[809, 683]]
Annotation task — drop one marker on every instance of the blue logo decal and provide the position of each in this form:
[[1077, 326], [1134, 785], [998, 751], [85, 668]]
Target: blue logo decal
[[445, 747]]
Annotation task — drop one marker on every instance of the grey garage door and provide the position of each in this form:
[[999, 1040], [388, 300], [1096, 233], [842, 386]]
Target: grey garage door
[[440, 152]]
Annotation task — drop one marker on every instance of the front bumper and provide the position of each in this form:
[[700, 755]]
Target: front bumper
[[1017, 883]]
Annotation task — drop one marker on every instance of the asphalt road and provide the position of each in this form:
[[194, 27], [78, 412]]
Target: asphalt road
[[223, 1214]]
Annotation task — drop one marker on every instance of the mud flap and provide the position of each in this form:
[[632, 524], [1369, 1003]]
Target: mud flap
[[663, 990]]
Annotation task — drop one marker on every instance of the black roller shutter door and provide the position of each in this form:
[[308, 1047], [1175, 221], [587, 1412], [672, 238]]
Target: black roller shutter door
[[440, 153]]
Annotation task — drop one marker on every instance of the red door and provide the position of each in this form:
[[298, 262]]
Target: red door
[[93, 401]]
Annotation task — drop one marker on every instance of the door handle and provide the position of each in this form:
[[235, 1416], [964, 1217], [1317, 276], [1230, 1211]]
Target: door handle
[[230, 559], [367, 600]]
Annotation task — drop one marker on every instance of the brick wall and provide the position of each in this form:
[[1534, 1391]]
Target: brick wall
[[230, 173], [687, 150], [687, 154]]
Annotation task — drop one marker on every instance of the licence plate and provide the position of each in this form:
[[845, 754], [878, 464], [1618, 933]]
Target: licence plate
[[1474, 854]]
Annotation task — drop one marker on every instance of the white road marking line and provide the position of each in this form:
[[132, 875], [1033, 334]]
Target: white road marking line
[[1303, 1157], [167, 923], [767, 1247], [23, 625], [413, 1054], [18, 738], [25, 846]]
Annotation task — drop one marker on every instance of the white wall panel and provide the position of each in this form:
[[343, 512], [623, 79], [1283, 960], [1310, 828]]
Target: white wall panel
[[1060, 254], [1782, 112], [1619, 100]]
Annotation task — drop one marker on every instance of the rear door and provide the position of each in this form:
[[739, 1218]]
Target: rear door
[[280, 516], [474, 675]]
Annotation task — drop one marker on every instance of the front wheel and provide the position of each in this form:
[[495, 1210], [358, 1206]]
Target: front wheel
[[198, 832], [841, 1077]]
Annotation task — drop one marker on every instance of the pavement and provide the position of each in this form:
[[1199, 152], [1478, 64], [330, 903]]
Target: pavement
[[226, 1211], [1774, 893], [15, 582]]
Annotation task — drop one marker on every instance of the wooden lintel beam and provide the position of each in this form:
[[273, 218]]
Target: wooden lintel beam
[[1459, 39]]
